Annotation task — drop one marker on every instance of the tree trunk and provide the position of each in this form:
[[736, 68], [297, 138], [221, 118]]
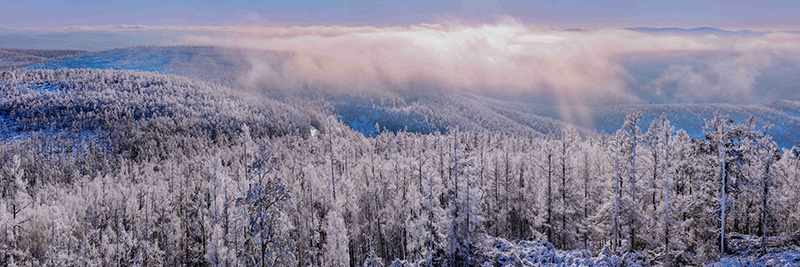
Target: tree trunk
[[666, 194], [616, 202], [549, 198], [722, 211], [634, 219]]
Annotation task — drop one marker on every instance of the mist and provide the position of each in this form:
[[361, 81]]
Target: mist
[[511, 59]]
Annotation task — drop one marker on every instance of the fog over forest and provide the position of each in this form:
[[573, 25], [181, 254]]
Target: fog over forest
[[450, 144]]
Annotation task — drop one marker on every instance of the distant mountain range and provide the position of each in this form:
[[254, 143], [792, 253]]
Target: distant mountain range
[[700, 31]]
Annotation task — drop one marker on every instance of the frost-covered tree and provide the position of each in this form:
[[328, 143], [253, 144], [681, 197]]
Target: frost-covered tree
[[717, 132], [631, 122], [787, 180], [548, 166], [566, 144], [16, 202], [129, 168], [336, 252], [617, 228]]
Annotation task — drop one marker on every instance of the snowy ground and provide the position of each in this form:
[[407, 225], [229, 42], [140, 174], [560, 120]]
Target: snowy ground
[[538, 253], [779, 251]]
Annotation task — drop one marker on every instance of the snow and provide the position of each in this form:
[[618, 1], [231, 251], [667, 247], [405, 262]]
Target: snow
[[202, 63], [539, 253], [363, 117], [746, 250], [787, 258], [6, 131]]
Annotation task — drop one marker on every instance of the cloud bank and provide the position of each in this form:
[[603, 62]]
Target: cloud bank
[[511, 59], [507, 59]]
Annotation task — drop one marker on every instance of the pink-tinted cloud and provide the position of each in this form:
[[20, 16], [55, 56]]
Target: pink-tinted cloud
[[505, 58]]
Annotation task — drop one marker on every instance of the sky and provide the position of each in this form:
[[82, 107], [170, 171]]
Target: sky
[[729, 14]]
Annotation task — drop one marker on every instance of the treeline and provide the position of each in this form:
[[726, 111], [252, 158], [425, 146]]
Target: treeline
[[329, 196], [339, 198]]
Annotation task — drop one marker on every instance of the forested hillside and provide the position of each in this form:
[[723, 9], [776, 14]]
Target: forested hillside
[[133, 168], [421, 107], [13, 58]]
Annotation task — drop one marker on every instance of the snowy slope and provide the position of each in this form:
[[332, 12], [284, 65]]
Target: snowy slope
[[116, 101], [12, 58], [203, 63], [747, 251]]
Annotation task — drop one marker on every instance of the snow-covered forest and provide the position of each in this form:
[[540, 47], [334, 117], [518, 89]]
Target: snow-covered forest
[[103, 168], [12, 58]]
